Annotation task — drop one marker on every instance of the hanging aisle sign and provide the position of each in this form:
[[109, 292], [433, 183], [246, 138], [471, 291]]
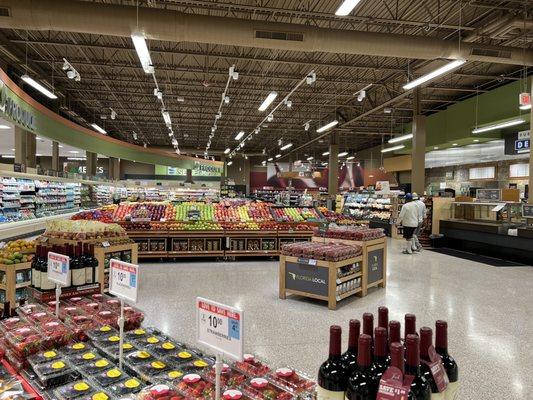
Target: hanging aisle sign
[[220, 327], [124, 280], [59, 269]]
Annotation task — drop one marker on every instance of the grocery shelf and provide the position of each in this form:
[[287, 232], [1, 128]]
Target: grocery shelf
[[349, 277], [348, 294], [11, 230]]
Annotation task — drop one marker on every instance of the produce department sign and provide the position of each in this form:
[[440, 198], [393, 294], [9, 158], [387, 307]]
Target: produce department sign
[[307, 278], [15, 110], [375, 265]]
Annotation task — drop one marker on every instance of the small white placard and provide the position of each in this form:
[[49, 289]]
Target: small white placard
[[58, 268], [499, 207], [220, 327], [124, 280], [106, 244], [512, 232]]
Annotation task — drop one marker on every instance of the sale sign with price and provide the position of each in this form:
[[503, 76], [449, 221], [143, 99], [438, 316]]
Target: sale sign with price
[[220, 327], [59, 268], [123, 280]]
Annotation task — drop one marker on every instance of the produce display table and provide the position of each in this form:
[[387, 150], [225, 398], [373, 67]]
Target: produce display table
[[317, 279], [251, 243], [8, 281], [374, 260]]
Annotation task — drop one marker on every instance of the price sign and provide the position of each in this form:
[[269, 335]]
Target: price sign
[[124, 280], [58, 268], [220, 327], [106, 244], [306, 261], [527, 210]]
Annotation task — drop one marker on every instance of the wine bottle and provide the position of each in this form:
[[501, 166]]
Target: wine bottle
[[45, 283], [78, 269], [333, 375], [410, 325], [397, 358], [94, 265], [381, 362], [395, 332], [420, 389], [361, 386], [441, 346], [426, 340], [35, 271], [383, 317], [86, 259], [349, 358], [368, 325]]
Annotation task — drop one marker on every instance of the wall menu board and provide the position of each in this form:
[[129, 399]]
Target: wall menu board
[[489, 195], [527, 210]]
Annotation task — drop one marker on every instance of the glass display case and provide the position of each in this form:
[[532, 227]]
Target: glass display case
[[487, 212]]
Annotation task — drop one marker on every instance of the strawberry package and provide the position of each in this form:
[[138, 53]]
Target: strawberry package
[[195, 387], [125, 388], [160, 391], [292, 381], [140, 334], [101, 332], [55, 334], [111, 352], [94, 366], [164, 348], [23, 340], [111, 339], [81, 389], [111, 376], [229, 377], [151, 339], [138, 357], [12, 323], [197, 366], [183, 355], [43, 357], [40, 317], [149, 369], [53, 373], [250, 366], [133, 318], [262, 389], [171, 375], [234, 394], [80, 325], [76, 349], [31, 308], [107, 317]]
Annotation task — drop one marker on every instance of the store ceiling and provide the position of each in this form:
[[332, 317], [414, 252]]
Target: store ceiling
[[112, 77]]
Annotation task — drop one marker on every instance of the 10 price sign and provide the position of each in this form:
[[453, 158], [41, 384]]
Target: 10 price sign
[[124, 278]]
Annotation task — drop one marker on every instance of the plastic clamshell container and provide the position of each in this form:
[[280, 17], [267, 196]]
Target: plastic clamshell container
[[31, 308], [165, 348], [75, 390], [149, 369], [12, 323], [229, 378], [111, 376], [101, 332], [195, 387], [40, 317], [252, 367], [198, 366], [80, 325], [234, 394], [160, 391], [111, 339], [94, 366], [44, 357], [55, 334], [53, 373], [24, 340], [112, 351], [150, 340], [125, 388], [183, 356], [141, 333], [98, 395], [172, 375], [107, 317], [138, 357], [261, 389], [292, 381], [75, 351]]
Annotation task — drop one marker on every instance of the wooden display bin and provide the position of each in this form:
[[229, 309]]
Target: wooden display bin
[[8, 282], [251, 243], [125, 252], [196, 244], [374, 260], [318, 279]]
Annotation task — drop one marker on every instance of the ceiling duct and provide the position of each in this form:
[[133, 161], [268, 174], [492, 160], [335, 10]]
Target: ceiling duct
[[173, 26]]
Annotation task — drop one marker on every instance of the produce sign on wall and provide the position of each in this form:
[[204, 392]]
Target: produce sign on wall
[[199, 170], [307, 278]]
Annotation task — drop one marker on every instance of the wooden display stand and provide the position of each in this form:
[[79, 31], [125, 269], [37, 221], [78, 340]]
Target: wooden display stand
[[196, 243], [10, 286], [316, 279], [374, 260], [243, 243]]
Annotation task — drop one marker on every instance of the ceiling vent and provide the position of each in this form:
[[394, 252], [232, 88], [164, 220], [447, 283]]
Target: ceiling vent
[[5, 12], [484, 52], [290, 36]]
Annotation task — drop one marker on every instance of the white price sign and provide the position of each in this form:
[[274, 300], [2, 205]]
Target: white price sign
[[58, 268], [123, 280], [220, 327]]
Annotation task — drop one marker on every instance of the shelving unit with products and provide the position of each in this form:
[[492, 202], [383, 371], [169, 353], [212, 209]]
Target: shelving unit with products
[[367, 206]]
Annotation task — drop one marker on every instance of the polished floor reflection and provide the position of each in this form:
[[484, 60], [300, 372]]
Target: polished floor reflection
[[489, 312]]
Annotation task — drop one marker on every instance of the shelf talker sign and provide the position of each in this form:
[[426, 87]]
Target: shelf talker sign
[[123, 283], [220, 327], [59, 273]]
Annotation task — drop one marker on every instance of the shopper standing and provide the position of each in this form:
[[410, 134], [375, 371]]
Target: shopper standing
[[409, 219], [421, 217]]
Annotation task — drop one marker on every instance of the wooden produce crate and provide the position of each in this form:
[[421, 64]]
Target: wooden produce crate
[[125, 252], [317, 279], [196, 244], [8, 281], [251, 243]]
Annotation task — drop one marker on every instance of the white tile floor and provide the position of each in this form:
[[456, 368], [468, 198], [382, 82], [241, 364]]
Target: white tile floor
[[489, 312]]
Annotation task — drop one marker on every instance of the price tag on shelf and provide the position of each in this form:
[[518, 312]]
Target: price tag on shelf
[[220, 327], [106, 244], [307, 261], [58, 269], [124, 280]]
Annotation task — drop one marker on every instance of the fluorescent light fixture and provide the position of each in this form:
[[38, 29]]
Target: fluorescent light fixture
[[476, 140], [433, 74], [227, 151], [239, 135], [401, 138], [525, 107], [270, 159], [327, 126], [287, 146], [143, 53], [310, 158], [32, 82], [436, 148], [455, 144], [499, 125], [350, 158], [74, 152], [278, 155], [38, 155], [229, 163], [268, 101], [8, 156], [343, 154], [166, 117], [346, 7], [263, 162], [98, 128], [399, 147], [76, 158], [4, 127], [326, 153]]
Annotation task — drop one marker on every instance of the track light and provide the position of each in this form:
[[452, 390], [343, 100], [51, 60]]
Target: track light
[[36, 85], [327, 126], [234, 74], [307, 126], [278, 155], [346, 7], [439, 71], [113, 114], [394, 148], [310, 158], [286, 147], [288, 103], [361, 96], [401, 138], [239, 135], [71, 74], [500, 125], [143, 53], [166, 117], [180, 99], [70, 70], [311, 78], [270, 159], [229, 163], [227, 151], [98, 128], [326, 153], [343, 154], [158, 93], [134, 134], [268, 101], [226, 99], [270, 118]]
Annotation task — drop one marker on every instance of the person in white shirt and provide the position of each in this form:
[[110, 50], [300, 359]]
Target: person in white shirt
[[409, 219], [421, 216]]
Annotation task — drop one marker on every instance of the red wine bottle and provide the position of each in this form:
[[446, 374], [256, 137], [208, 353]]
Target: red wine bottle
[[395, 332], [426, 340], [410, 325], [349, 358], [381, 361], [361, 386], [420, 389], [441, 346], [397, 358], [35, 271], [383, 317], [368, 325], [333, 375]]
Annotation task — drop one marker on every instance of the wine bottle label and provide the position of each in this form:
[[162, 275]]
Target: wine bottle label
[[36, 278], [78, 277], [452, 392], [88, 275], [324, 394]]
